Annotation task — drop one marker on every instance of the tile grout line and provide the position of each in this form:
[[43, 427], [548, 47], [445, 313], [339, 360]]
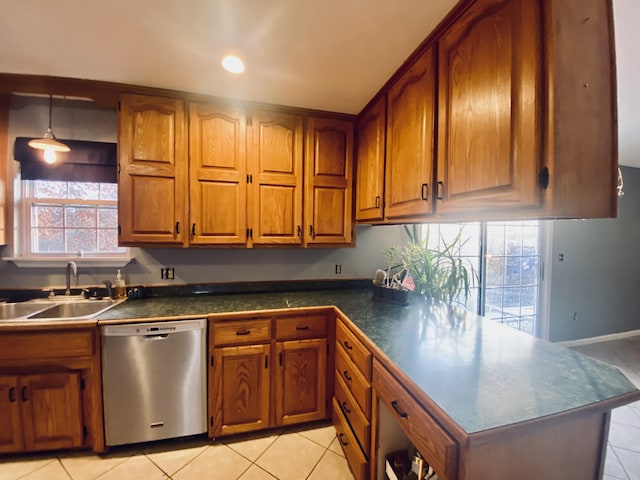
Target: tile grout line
[[613, 449]]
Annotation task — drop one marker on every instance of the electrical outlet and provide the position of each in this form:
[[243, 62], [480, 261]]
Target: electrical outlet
[[167, 273], [338, 269]]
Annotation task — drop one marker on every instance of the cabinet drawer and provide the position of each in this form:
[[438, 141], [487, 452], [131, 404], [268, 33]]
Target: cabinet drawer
[[356, 459], [352, 411], [16, 346], [298, 327], [359, 387], [354, 348], [241, 332], [435, 445]]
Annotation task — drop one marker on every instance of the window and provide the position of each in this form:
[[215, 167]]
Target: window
[[506, 256], [66, 218]]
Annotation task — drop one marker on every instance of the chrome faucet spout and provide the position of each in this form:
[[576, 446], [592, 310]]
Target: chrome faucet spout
[[71, 267]]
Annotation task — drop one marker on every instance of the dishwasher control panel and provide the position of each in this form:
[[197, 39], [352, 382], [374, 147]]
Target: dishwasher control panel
[[153, 328]]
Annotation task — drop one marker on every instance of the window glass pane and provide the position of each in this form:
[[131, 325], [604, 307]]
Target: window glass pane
[[495, 240], [81, 240], [80, 217], [49, 240], [47, 189], [512, 272], [84, 190], [44, 216], [107, 217], [494, 271], [529, 270], [108, 240], [109, 191]]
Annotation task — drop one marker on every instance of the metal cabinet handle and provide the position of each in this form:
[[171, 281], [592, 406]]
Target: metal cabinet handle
[[23, 394], [377, 201], [345, 407], [394, 404], [311, 231], [424, 192], [346, 375], [302, 327], [177, 228], [193, 230], [347, 346], [340, 437], [299, 230], [439, 190], [12, 394], [243, 332]]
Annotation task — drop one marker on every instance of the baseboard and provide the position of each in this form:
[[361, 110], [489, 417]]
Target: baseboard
[[601, 338]]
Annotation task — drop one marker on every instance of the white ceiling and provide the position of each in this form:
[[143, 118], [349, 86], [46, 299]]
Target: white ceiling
[[323, 54]]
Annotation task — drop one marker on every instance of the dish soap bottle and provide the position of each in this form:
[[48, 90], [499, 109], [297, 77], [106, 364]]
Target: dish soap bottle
[[121, 288]]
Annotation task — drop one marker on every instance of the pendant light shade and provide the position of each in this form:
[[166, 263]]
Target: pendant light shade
[[49, 143]]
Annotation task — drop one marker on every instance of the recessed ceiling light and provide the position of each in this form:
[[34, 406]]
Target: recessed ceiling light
[[233, 64]]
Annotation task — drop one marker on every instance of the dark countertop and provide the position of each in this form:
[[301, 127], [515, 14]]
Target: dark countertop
[[481, 374]]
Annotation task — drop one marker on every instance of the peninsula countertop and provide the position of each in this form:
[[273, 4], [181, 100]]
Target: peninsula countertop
[[483, 375]]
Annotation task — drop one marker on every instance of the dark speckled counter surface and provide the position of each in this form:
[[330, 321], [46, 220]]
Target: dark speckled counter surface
[[482, 375]]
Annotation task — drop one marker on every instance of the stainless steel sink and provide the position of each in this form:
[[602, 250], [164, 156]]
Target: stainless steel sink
[[82, 309], [9, 311], [59, 308]]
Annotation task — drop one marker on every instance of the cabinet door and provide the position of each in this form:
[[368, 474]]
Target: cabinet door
[[152, 182], [217, 175], [410, 142], [301, 381], [241, 389], [51, 410], [10, 421], [328, 181], [489, 101], [275, 169], [370, 163]]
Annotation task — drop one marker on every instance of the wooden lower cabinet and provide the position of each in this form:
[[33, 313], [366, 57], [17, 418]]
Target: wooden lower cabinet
[[41, 412], [268, 371], [50, 390], [357, 461], [300, 381], [241, 379]]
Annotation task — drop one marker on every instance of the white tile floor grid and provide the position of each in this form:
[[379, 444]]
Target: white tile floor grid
[[311, 453], [294, 454]]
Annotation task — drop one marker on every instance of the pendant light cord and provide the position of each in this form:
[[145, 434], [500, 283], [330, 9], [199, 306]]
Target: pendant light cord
[[50, 108]]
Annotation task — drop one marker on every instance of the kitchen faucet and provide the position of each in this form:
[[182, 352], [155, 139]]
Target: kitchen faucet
[[71, 266]]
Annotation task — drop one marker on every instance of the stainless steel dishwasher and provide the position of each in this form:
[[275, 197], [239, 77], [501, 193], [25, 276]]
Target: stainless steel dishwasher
[[154, 380]]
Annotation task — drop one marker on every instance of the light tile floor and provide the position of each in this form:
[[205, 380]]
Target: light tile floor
[[312, 453], [623, 451]]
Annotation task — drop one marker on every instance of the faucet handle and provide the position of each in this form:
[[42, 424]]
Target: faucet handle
[[108, 284]]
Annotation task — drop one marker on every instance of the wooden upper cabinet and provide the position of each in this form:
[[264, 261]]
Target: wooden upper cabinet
[[370, 163], [489, 151], [410, 141], [217, 175], [328, 181], [152, 183], [275, 148]]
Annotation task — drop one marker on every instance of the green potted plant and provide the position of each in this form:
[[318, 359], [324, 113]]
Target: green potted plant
[[438, 275]]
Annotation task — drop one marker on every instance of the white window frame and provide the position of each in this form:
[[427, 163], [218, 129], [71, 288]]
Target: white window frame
[[24, 257]]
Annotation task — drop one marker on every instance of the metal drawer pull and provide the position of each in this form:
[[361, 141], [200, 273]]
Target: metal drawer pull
[[346, 345], [394, 404], [346, 375], [160, 336], [23, 394], [342, 441], [243, 332], [345, 408], [156, 424], [12, 394], [302, 327]]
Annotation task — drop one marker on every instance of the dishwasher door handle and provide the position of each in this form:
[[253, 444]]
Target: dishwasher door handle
[[160, 336]]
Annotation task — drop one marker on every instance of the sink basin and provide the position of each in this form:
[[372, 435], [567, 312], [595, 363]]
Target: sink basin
[[10, 311], [81, 309]]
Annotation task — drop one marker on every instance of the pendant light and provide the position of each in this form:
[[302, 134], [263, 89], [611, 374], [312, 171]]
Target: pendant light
[[49, 143]]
